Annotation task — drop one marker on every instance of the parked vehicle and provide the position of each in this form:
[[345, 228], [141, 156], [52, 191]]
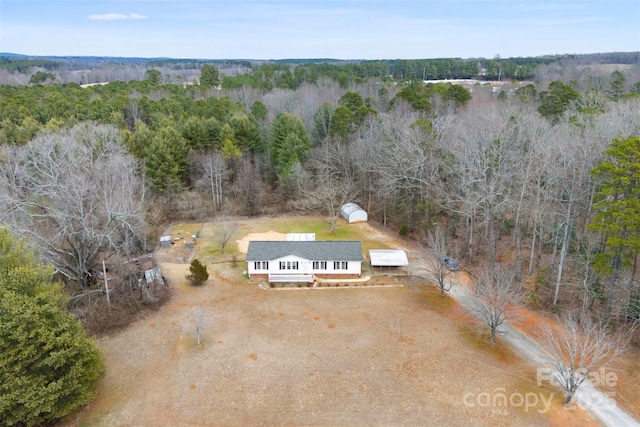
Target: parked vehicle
[[452, 264]]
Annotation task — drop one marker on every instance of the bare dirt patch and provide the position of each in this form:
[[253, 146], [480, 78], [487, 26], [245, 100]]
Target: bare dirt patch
[[243, 243], [315, 357]]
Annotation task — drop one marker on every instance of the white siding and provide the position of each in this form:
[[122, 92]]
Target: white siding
[[304, 267], [252, 270]]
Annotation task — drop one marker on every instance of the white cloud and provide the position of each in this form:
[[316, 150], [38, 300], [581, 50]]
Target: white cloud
[[115, 16]]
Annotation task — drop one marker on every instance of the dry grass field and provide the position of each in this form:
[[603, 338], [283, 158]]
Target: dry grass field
[[349, 356]]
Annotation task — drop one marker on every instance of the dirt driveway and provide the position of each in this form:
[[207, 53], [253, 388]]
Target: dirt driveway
[[398, 356]]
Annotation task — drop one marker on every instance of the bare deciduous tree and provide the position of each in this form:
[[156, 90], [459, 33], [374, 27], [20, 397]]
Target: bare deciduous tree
[[436, 269], [225, 231], [487, 159], [76, 195], [214, 170], [497, 297], [329, 195], [200, 320], [571, 186], [578, 347]]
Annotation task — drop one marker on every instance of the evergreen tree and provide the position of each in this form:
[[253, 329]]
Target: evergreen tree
[[138, 141], [418, 97], [555, 100], [246, 133], [259, 111], [289, 142], [228, 145], [617, 204], [48, 366], [167, 162], [209, 76], [154, 77], [458, 94], [194, 131], [617, 82], [198, 273]]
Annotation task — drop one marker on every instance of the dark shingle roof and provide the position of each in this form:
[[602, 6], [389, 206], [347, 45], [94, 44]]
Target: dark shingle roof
[[312, 250]]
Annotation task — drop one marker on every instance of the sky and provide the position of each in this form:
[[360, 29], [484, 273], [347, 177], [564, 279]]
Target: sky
[[349, 29]]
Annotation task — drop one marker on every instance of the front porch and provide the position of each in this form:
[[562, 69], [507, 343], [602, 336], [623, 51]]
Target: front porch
[[291, 278]]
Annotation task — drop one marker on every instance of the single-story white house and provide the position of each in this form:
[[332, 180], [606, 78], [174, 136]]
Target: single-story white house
[[301, 261], [353, 213]]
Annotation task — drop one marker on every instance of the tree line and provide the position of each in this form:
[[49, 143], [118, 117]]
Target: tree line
[[490, 165], [540, 177], [258, 73]]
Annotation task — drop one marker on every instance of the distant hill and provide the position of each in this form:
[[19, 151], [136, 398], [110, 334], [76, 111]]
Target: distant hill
[[603, 58], [18, 69]]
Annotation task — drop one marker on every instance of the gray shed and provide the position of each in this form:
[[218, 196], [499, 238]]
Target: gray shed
[[165, 242], [353, 213], [153, 276]]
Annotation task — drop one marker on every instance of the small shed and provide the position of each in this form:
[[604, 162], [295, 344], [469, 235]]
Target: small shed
[[165, 242], [353, 213], [153, 277], [389, 259]]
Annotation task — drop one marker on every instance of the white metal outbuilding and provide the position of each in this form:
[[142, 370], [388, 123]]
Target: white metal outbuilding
[[388, 258], [389, 261], [353, 213]]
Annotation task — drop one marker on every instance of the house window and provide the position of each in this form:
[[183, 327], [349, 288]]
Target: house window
[[340, 265], [261, 265], [319, 265], [288, 265]]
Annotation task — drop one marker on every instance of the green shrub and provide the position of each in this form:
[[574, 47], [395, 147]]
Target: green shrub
[[199, 273]]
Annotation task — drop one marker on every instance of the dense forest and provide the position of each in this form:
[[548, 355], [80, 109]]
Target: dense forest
[[533, 164], [529, 166]]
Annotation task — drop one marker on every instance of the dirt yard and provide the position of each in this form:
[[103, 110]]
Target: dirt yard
[[396, 356]]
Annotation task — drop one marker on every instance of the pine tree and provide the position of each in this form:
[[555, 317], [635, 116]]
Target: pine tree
[[167, 162], [48, 365], [199, 273], [617, 204], [209, 76], [289, 142]]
